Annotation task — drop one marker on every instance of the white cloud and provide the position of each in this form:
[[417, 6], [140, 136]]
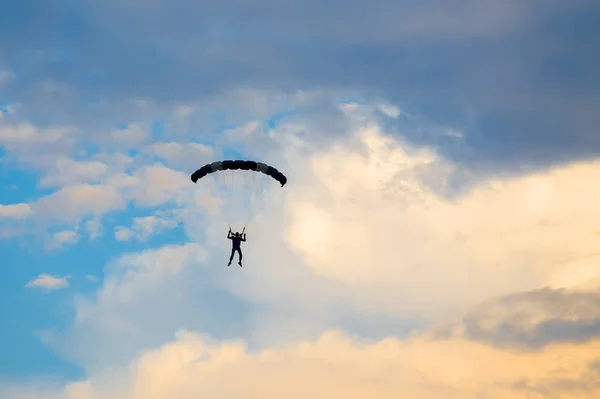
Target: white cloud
[[69, 172], [16, 211], [49, 282], [37, 147], [137, 290], [91, 278], [183, 156], [65, 237], [148, 186], [118, 162], [390, 110], [155, 185], [362, 231], [366, 214], [340, 366], [12, 136], [368, 217], [143, 227], [132, 135], [94, 228], [245, 132], [75, 202], [454, 133], [183, 111], [123, 233]]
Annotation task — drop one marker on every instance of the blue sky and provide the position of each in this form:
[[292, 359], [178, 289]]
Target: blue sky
[[442, 159]]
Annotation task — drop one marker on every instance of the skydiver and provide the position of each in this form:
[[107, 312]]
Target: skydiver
[[236, 240]]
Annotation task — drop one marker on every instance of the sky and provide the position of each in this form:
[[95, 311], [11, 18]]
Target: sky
[[437, 238]]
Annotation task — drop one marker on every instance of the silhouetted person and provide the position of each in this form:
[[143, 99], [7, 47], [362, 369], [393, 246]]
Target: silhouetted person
[[236, 240]]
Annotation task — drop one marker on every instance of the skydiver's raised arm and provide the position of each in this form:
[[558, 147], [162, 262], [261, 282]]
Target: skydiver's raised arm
[[244, 237], [229, 234]]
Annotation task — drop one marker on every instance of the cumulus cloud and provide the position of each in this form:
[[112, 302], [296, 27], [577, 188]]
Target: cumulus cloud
[[65, 237], [69, 172], [143, 227], [374, 234], [129, 136], [368, 230], [182, 156], [368, 224], [36, 147], [49, 282], [155, 185], [16, 211], [376, 213], [149, 186], [338, 365], [123, 233], [169, 284], [75, 202], [94, 228]]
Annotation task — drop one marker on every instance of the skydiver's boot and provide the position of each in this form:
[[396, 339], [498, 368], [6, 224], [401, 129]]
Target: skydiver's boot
[[240, 263]]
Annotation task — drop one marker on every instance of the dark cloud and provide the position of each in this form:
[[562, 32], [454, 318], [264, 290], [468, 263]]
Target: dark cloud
[[519, 78], [536, 319]]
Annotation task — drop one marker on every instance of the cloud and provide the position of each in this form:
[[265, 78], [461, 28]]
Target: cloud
[[381, 216], [149, 186], [8, 109], [6, 77], [123, 233], [129, 136], [16, 211], [48, 282], [65, 237], [371, 229], [172, 284], [536, 319], [182, 156], [438, 59], [69, 172], [390, 110], [478, 182], [143, 227], [155, 185], [94, 228], [75, 202], [36, 147], [374, 225], [338, 365]]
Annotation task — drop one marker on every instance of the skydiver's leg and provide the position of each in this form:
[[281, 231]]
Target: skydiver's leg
[[231, 257], [240, 254]]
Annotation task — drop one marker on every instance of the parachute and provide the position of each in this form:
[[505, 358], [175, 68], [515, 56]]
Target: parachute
[[239, 165], [238, 190]]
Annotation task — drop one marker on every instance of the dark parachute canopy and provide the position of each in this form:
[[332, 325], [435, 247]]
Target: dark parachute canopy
[[239, 165]]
